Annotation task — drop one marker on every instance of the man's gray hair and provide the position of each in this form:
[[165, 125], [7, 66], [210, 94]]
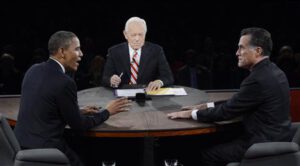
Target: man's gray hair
[[136, 20]]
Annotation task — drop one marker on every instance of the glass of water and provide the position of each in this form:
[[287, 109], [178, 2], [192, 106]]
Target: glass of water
[[109, 163], [171, 162]]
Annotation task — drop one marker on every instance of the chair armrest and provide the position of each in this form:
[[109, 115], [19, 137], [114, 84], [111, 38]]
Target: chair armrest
[[42, 156], [270, 149]]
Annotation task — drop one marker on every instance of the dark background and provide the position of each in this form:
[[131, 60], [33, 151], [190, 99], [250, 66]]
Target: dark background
[[177, 26]]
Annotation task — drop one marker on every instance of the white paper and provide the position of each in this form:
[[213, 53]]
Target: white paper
[[179, 91], [128, 92]]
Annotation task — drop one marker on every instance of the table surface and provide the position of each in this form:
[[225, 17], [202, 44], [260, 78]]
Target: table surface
[[145, 120]]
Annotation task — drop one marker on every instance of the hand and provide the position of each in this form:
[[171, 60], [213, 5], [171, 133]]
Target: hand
[[88, 110], [154, 85], [118, 105], [180, 114], [115, 81], [195, 107]]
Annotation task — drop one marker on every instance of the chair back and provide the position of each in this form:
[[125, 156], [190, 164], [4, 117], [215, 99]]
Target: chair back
[[9, 145], [296, 129]]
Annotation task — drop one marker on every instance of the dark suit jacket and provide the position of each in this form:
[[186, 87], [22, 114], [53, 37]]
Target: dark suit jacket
[[264, 102], [48, 104], [153, 65]]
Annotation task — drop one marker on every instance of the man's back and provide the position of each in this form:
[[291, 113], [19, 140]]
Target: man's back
[[271, 102], [40, 116]]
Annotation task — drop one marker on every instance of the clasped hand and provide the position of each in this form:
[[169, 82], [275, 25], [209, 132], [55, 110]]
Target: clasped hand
[[115, 81]]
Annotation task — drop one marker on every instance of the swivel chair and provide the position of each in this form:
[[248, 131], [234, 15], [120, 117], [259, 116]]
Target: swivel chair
[[273, 153], [11, 153]]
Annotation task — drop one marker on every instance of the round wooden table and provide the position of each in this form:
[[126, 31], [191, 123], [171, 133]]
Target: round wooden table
[[148, 120]]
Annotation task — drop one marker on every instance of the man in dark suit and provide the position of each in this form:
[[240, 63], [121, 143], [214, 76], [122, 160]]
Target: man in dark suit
[[49, 100], [152, 66], [263, 101]]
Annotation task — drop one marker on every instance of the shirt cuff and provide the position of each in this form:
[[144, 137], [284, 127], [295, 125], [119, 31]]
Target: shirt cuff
[[210, 105], [194, 114]]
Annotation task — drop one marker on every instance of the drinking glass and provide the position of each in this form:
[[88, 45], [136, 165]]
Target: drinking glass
[[171, 162], [109, 163]]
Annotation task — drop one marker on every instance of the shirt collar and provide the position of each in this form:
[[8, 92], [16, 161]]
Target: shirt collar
[[131, 51], [62, 67]]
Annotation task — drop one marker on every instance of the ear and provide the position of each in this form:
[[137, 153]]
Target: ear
[[61, 53], [125, 34], [259, 51]]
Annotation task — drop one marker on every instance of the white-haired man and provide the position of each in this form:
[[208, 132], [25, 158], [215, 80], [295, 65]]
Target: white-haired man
[[137, 61]]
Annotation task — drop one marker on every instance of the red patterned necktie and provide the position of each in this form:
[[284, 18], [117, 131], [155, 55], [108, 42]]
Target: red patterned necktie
[[134, 67]]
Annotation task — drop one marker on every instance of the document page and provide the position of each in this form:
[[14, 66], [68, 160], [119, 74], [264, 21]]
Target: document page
[[168, 91], [128, 92], [161, 91], [179, 91]]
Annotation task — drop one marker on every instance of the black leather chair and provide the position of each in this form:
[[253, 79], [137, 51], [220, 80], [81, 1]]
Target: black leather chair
[[273, 153], [11, 153]]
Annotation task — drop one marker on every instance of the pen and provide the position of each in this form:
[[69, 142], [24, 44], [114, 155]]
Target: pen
[[121, 75]]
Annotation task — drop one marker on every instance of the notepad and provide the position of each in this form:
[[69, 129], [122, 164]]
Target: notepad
[[168, 91], [161, 91]]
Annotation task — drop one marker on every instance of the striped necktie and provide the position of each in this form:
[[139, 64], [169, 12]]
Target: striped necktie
[[134, 67]]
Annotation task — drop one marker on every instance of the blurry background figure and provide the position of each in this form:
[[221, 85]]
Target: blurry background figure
[[287, 62], [297, 70], [10, 77], [39, 55], [224, 67], [96, 70], [193, 74]]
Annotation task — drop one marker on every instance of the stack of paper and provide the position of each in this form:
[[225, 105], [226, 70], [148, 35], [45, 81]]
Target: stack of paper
[[161, 91], [128, 92]]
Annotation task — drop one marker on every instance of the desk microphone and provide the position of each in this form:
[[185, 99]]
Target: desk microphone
[[140, 98]]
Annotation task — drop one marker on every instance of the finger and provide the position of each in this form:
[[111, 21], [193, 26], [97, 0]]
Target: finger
[[171, 115], [115, 82], [128, 104], [119, 100], [94, 107], [125, 109], [186, 108], [152, 88]]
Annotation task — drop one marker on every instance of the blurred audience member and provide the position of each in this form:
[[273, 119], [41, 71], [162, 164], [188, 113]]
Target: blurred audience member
[[39, 55], [96, 71], [192, 74], [10, 77], [286, 62]]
